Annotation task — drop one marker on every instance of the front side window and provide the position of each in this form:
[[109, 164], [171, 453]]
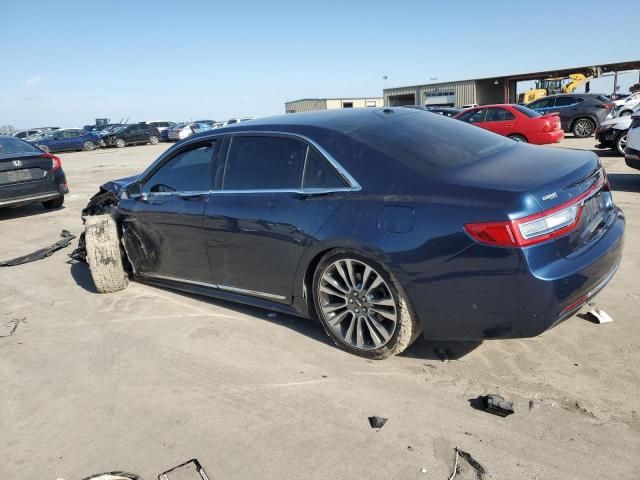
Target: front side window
[[499, 115], [188, 171], [264, 163], [474, 116]]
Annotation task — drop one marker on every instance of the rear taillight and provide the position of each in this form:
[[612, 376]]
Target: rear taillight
[[537, 228], [56, 163], [607, 106], [545, 127]]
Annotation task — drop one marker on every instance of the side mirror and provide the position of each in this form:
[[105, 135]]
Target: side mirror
[[133, 191]]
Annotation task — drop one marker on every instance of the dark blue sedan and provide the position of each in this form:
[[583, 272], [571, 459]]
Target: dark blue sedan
[[381, 223], [65, 140]]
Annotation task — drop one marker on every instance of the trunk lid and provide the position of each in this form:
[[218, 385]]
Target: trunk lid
[[545, 178], [23, 167]]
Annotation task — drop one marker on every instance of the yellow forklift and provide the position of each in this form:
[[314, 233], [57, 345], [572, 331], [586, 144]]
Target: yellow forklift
[[552, 86]]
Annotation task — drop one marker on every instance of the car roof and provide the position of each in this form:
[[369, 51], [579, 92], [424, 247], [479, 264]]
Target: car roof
[[339, 120]]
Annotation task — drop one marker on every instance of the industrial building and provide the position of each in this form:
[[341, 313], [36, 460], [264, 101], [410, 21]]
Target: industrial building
[[311, 104], [500, 89]]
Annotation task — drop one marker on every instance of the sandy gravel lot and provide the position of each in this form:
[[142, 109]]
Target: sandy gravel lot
[[145, 379]]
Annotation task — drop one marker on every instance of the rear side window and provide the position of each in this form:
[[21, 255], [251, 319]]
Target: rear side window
[[498, 115], [544, 103], [12, 146], [318, 173], [264, 163], [188, 171], [566, 101]]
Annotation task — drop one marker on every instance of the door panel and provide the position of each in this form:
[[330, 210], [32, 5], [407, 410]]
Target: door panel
[[254, 241]]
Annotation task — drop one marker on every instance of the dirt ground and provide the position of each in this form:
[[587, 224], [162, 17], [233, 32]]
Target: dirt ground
[[147, 378]]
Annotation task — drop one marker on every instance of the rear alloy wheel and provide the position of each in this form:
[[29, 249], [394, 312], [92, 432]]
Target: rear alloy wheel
[[518, 138], [88, 146], [120, 142], [54, 203], [153, 140], [104, 254], [360, 308], [583, 128], [620, 143]]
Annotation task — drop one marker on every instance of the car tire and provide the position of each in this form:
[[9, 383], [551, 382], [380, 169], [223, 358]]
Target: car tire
[[54, 203], [583, 128], [120, 143], [153, 140], [372, 336], [625, 113], [44, 148], [518, 138], [88, 146], [620, 142], [104, 254]]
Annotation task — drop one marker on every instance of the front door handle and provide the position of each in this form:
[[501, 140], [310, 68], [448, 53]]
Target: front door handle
[[192, 195], [509, 125]]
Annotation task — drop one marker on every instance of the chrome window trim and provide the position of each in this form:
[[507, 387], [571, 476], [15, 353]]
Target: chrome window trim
[[242, 291], [354, 186]]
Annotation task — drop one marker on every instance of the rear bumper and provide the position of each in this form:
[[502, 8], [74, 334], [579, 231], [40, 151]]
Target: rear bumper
[[547, 137], [632, 157], [507, 296], [34, 192]]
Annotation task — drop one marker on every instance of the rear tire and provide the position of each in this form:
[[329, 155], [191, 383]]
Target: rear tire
[[54, 203], [583, 128], [518, 138], [44, 148], [120, 142], [389, 297], [104, 255], [625, 113], [88, 146], [153, 140], [620, 143]]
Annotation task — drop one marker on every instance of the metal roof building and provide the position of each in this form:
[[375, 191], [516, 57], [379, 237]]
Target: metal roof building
[[310, 104], [499, 89]]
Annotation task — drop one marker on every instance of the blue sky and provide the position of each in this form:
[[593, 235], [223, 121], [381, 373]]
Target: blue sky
[[68, 62]]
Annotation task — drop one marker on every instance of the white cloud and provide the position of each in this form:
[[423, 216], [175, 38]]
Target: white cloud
[[31, 81]]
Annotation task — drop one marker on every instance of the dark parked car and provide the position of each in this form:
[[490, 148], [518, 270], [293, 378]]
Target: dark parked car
[[28, 175], [445, 111], [580, 113], [134, 134], [65, 140], [382, 223]]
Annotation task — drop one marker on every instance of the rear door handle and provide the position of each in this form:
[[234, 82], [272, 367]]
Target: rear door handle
[[509, 125]]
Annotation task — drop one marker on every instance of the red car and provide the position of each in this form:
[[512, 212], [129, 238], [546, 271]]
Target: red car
[[516, 122]]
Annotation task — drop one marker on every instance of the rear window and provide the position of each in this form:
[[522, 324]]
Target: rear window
[[431, 143], [12, 146], [527, 111]]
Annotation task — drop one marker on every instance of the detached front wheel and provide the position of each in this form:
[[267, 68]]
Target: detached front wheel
[[361, 307], [104, 254]]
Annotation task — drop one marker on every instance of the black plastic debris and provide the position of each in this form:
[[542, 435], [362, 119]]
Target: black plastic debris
[[480, 471], [493, 403], [114, 476], [41, 253], [377, 422], [190, 470]]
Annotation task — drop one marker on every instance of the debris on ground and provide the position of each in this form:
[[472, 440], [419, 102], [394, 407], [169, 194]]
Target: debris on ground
[[191, 470], [597, 315], [493, 403], [41, 253], [113, 476], [473, 463], [442, 354], [11, 326], [377, 422]]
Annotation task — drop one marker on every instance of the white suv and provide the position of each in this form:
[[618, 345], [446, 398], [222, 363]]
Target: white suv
[[632, 152]]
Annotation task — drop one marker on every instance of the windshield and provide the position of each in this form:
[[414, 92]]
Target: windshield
[[527, 111], [12, 146]]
